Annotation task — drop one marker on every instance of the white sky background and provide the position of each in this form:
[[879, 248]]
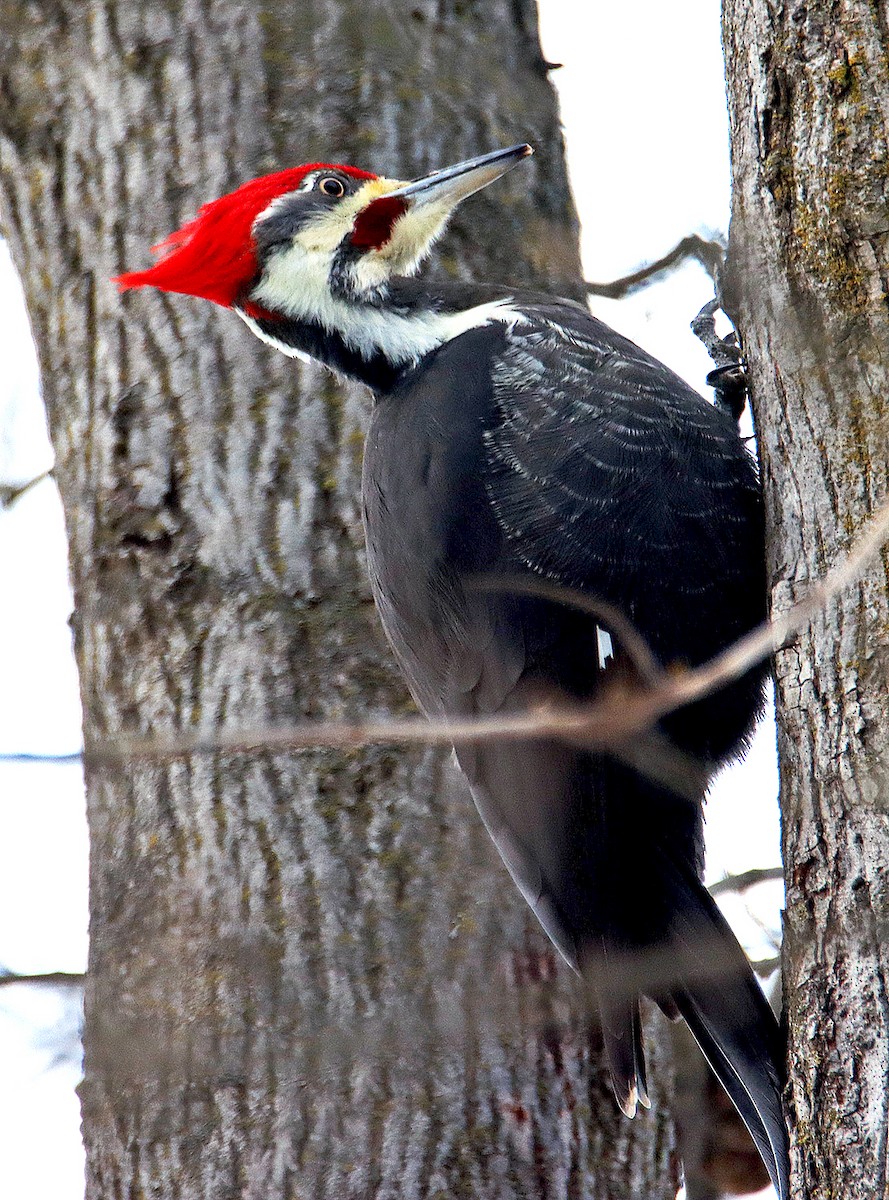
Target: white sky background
[[644, 112]]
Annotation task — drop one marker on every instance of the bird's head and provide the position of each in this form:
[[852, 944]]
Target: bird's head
[[288, 244]]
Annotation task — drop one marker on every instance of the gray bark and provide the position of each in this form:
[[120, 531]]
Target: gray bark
[[808, 87], [309, 975]]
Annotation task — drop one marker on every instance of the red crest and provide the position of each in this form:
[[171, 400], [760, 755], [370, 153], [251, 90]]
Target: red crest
[[213, 256]]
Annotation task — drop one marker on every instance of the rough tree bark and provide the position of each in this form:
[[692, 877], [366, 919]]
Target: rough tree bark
[[809, 98], [309, 976]]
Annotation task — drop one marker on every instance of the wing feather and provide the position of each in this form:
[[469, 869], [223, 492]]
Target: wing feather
[[560, 448]]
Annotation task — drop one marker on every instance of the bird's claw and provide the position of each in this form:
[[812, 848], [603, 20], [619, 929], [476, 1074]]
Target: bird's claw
[[729, 377]]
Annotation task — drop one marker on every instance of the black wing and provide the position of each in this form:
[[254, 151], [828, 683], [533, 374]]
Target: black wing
[[558, 448], [610, 475]]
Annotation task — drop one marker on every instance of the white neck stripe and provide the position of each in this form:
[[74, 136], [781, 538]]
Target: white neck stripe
[[301, 290]]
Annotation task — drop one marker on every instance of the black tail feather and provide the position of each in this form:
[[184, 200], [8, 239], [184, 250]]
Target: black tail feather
[[621, 1023], [639, 1056], [626, 893], [696, 969], [751, 1082], [731, 1021]]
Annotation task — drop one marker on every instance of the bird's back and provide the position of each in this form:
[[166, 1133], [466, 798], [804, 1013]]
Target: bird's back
[[556, 448]]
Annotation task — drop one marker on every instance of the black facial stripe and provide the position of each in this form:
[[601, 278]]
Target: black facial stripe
[[342, 279], [286, 220]]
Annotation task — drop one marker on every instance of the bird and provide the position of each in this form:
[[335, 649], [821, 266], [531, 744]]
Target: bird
[[521, 453]]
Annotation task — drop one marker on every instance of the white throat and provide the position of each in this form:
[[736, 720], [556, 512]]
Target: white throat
[[296, 285]]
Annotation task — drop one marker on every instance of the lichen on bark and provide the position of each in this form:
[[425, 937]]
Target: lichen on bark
[[807, 88]]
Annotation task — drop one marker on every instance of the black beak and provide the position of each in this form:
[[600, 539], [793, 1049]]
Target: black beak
[[450, 185]]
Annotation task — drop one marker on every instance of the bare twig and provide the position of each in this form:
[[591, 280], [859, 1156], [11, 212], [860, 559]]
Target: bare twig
[[654, 756], [10, 493], [765, 967], [619, 714], [710, 253], [16, 757], [647, 666], [774, 634], [745, 880], [53, 978], [541, 721]]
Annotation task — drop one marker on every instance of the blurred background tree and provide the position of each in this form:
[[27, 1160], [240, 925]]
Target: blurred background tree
[[309, 976]]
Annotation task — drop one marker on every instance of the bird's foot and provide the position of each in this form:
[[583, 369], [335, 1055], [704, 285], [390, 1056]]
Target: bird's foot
[[729, 376]]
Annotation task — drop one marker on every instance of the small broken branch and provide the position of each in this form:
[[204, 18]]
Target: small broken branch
[[745, 880], [764, 967], [74, 757], [11, 493], [710, 253], [648, 668], [53, 978]]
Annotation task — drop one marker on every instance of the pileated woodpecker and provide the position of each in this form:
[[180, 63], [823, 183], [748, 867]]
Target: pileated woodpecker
[[514, 433]]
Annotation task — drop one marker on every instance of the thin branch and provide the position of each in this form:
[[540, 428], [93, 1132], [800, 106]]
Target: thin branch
[[620, 713], [710, 253], [54, 978], [11, 493], [16, 757], [773, 635], [635, 645], [654, 756], [765, 967], [772, 935], [540, 721], [745, 880]]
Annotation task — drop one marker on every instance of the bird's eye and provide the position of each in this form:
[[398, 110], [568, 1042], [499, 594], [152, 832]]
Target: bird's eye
[[331, 186]]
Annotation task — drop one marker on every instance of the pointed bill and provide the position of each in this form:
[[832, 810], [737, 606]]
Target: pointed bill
[[450, 185]]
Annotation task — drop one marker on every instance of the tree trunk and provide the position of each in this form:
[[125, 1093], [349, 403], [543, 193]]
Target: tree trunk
[[309, 975], [808, 88]]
